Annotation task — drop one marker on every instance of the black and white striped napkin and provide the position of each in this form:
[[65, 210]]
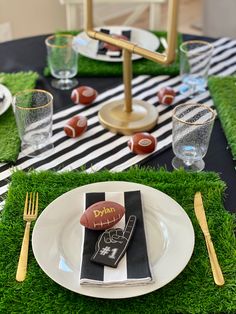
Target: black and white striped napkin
[[133, 268]]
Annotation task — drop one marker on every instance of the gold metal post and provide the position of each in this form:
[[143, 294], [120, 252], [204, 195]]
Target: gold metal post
[[172, 22], [128, 115], [88, 15], [127, 77]]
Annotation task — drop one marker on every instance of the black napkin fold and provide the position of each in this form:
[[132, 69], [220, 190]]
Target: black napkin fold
[[134, 266]]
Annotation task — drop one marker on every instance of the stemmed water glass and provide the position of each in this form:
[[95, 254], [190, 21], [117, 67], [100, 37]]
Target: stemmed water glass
[[62, 60], [192, 126]]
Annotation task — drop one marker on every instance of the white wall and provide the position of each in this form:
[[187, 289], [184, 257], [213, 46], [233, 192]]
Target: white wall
[[219, 18], [35, 17], [32, 17]]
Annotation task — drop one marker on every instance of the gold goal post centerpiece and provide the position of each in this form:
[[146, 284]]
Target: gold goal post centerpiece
[[128, 115]]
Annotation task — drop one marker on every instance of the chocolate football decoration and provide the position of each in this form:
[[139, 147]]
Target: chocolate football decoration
[[113, 47], [102, 215], [76, 126], [84, 95], [142, 143], [113, 243], [166, 95]]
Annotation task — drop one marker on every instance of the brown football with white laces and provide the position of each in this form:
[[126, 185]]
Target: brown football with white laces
[[76, 126], [102, 215], [84, 95], [142, 143], [166, 95]]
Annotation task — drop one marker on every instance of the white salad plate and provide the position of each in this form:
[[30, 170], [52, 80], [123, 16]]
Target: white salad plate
[[5, 104], [57, 235], [88, 47]]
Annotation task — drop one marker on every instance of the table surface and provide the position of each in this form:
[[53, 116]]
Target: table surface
[[30, 54]]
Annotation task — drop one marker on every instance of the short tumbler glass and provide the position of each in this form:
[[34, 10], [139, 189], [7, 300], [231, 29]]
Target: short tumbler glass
[[62, 60], [192, 126], [195, 59], [33, 112]]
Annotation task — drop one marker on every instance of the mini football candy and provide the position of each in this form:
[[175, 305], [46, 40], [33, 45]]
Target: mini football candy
[[142, 143], [166, 95], [76, 126], [102, 215], [113, 47], [84, 95]]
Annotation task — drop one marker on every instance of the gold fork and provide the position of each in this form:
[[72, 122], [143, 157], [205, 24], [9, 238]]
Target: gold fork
[[30, 214]]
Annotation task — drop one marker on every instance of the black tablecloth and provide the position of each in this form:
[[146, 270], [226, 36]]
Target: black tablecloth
[[30, 54]]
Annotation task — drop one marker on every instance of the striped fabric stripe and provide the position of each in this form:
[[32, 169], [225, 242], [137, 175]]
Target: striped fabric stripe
[[98, 148]]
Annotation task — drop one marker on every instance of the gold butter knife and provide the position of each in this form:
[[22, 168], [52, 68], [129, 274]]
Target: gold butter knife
[[201, 217]]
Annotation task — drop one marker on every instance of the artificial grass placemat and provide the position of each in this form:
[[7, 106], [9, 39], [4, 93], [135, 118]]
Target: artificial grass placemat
[[193, 291], [90, 67], [223, 92], [9, 139]]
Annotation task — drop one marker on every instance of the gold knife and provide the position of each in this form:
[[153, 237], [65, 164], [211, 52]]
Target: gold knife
[[201, 217]]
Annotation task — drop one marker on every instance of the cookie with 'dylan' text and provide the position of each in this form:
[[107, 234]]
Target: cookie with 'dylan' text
[[102, 215]]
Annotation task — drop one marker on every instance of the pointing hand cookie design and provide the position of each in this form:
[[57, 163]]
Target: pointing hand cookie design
[[113, 243]]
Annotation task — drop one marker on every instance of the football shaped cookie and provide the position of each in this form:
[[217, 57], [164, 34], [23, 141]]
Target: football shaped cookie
[[166, 95], [102, 215], [76, 126], [113, 47], [84, 95], [142, 143]]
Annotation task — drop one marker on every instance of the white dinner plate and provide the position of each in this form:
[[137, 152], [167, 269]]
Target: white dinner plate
[[5, 104], [57, 234], [88, 47]]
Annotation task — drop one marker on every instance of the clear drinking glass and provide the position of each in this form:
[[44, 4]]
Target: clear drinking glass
[[62, 60], [192, 126], [33, 111], [195, 58]]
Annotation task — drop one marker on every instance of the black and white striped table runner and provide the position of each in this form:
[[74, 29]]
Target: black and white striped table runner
[[98, 148]]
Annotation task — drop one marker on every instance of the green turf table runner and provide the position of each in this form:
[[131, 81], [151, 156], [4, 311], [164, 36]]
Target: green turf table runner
[[90, 67], [9, 139], [223, 92], [193, 291]]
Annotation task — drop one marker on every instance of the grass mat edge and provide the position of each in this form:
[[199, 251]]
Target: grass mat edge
[[182, 295], [9, 138], [222, 90]]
